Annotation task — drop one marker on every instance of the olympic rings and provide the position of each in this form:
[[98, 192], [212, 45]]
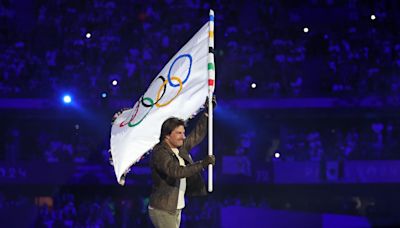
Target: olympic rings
[[160, 93], [187, 76]]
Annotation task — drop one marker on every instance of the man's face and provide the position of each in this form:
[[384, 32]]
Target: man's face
[[176, 138]]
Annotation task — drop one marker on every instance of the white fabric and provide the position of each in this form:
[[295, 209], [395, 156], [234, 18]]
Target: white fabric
[[130, 143], [182, 185]]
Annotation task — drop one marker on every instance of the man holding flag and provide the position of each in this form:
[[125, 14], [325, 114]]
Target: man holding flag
[[173, 171], [179, 90]]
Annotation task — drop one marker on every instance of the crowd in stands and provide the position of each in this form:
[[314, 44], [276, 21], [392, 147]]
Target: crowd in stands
[[373, 141], [307, 141], [50, 46], [74, 209]]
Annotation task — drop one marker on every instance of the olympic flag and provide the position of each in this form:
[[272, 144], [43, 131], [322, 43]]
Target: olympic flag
[[179, 90]]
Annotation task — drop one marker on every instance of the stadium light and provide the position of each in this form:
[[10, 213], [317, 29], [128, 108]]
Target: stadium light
[[67, 99]]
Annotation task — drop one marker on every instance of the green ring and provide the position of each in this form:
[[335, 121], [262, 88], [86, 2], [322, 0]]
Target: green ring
[[152, 105]]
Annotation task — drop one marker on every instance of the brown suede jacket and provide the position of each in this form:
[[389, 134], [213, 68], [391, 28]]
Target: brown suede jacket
[[166, 171]]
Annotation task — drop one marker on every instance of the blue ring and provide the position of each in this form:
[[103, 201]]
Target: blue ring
[[187, 76]]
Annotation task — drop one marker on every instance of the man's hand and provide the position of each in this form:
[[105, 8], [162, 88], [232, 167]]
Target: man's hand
[[209, 160], [214, 103]]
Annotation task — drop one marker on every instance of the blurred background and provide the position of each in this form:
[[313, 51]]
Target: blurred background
[[306, 129]]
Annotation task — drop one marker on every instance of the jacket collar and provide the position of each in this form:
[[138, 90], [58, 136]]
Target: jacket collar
[[167, 147], [183, 155]]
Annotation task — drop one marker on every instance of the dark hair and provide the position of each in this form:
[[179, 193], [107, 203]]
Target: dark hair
[[169, 125]]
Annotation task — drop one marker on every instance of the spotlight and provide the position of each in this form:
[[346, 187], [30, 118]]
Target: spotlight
[[277, 155], [88, 35], [253, 85], [114, 82], [305, 29], [373, 17], [67, 99], [103, 95]]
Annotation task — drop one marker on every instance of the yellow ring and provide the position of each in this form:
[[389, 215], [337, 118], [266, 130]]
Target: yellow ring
[[165, 82]]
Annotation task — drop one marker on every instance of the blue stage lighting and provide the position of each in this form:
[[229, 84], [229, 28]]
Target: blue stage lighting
[[103, 95], [67, 99]]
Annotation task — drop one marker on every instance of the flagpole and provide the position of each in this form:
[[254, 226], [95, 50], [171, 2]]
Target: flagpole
[[211, 87]]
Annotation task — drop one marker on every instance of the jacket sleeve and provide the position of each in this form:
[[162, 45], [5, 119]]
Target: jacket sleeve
[[197, 134], [165, 163]]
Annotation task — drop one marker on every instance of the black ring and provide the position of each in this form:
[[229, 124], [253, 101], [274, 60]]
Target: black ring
[[165, 88]]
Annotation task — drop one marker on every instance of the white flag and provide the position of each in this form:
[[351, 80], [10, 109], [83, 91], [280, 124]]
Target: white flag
[[179, 90]]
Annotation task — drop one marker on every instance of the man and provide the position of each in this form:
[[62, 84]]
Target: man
[[173, 171]]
